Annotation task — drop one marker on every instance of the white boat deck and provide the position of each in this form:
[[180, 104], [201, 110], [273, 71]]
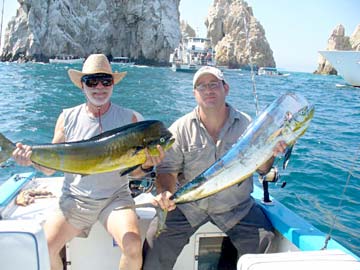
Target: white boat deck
[[22, 234]]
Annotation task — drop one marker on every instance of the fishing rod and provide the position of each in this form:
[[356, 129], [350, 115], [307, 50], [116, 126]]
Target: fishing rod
[[247, 45], [328, 237], [273, 174], [1, 25]]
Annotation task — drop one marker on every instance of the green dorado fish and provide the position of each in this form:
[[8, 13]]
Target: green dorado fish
[[286, 119], [118, 149]]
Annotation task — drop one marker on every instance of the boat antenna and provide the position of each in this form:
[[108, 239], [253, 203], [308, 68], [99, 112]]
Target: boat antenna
[[350, 172], [1, 25], [256, 100]]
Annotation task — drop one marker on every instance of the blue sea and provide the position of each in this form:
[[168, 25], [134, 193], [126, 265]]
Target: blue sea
[[323, 174]]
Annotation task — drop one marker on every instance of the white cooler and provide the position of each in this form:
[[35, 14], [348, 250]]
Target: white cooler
[[23, 246]]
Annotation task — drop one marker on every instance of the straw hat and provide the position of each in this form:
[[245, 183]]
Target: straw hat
[[95, 63]]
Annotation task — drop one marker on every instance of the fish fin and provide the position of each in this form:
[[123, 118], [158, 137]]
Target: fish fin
[[137, 150], [6, 148], [287, 156], [128, 170]]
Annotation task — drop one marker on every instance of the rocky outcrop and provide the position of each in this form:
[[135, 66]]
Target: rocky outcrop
[[239, 39], [144, 30], [186, 30], [338, 41], [355, 39]]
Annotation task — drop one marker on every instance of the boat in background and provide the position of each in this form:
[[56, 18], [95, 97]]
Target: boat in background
[[122, 60], [192, 54], [347, 64], [66, 60], [271, 71], [297, 244]]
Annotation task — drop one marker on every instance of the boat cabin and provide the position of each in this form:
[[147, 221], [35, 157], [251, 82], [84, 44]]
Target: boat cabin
[[192, 53]]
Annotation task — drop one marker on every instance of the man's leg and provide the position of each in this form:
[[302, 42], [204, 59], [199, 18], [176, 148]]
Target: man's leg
[[169, 244], [123, 226], [245, 235], [58, 232]]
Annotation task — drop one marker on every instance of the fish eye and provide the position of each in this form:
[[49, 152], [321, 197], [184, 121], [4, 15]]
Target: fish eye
[[162, 140]]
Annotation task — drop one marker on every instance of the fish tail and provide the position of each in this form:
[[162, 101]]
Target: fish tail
[[161, 226], [6, 148], [160, 213]]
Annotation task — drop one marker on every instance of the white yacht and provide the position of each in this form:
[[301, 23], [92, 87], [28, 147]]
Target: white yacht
[[347, 64]]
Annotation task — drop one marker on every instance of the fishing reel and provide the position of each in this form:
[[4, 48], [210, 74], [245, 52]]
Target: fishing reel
[[142, 185], [272, 176]]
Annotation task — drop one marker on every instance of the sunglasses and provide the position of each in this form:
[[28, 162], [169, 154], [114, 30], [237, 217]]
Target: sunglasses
[[93, 80], [212, 86]]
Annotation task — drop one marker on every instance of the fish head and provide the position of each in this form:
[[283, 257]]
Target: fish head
[[297, 122], [157, 134]]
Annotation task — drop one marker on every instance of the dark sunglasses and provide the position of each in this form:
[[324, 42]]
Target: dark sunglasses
[[93, 80]]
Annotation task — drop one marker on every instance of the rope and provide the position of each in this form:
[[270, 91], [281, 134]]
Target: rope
[[100, 124]]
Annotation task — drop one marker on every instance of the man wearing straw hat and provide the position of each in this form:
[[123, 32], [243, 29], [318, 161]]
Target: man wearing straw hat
[[86, 199]]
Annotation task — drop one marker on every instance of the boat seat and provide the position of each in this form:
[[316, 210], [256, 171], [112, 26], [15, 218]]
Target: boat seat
[[23, 245], [324, 259]]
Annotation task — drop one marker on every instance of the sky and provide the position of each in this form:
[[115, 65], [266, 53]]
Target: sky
[[295, 29]]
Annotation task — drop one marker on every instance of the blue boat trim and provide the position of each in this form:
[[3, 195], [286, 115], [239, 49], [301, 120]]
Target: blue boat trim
[[296, 229], [10, 188]]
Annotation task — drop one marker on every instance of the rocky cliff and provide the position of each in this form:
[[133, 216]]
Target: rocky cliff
[[187, 30], [338, 41], [238, 37], [145, 30]]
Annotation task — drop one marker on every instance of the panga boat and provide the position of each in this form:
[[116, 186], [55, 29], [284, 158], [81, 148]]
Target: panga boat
[[298, 244], [347, 63], [271, 71], [66, 60], [192, 53], [122, 60]]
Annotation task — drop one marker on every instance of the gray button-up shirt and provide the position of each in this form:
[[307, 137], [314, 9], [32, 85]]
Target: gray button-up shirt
[[194, 151]]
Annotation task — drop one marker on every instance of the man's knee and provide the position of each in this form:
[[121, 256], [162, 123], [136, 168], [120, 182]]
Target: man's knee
[[132, 245]]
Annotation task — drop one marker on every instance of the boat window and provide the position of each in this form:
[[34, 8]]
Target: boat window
[[216, 252]]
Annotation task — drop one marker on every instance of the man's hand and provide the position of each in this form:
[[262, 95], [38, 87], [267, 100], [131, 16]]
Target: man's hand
[[279, 148], [163, 200], [152, 161], [22, 154]]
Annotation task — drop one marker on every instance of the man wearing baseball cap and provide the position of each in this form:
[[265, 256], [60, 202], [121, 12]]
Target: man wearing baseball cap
[[201, 137], [86, 199]]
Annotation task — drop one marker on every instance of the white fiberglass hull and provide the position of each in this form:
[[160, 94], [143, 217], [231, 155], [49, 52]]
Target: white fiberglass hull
[[297, 244], [347, 63]]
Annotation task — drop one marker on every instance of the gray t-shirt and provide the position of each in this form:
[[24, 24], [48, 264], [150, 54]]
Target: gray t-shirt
[[194, 151], [79, 125]]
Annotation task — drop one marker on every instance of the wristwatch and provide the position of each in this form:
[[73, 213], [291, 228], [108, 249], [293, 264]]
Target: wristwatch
[[146, 170]]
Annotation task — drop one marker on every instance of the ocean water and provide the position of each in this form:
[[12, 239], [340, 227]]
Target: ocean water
[[323, 174]]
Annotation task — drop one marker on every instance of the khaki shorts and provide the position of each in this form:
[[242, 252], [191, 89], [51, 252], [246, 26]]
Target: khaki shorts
[[82, 212]]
